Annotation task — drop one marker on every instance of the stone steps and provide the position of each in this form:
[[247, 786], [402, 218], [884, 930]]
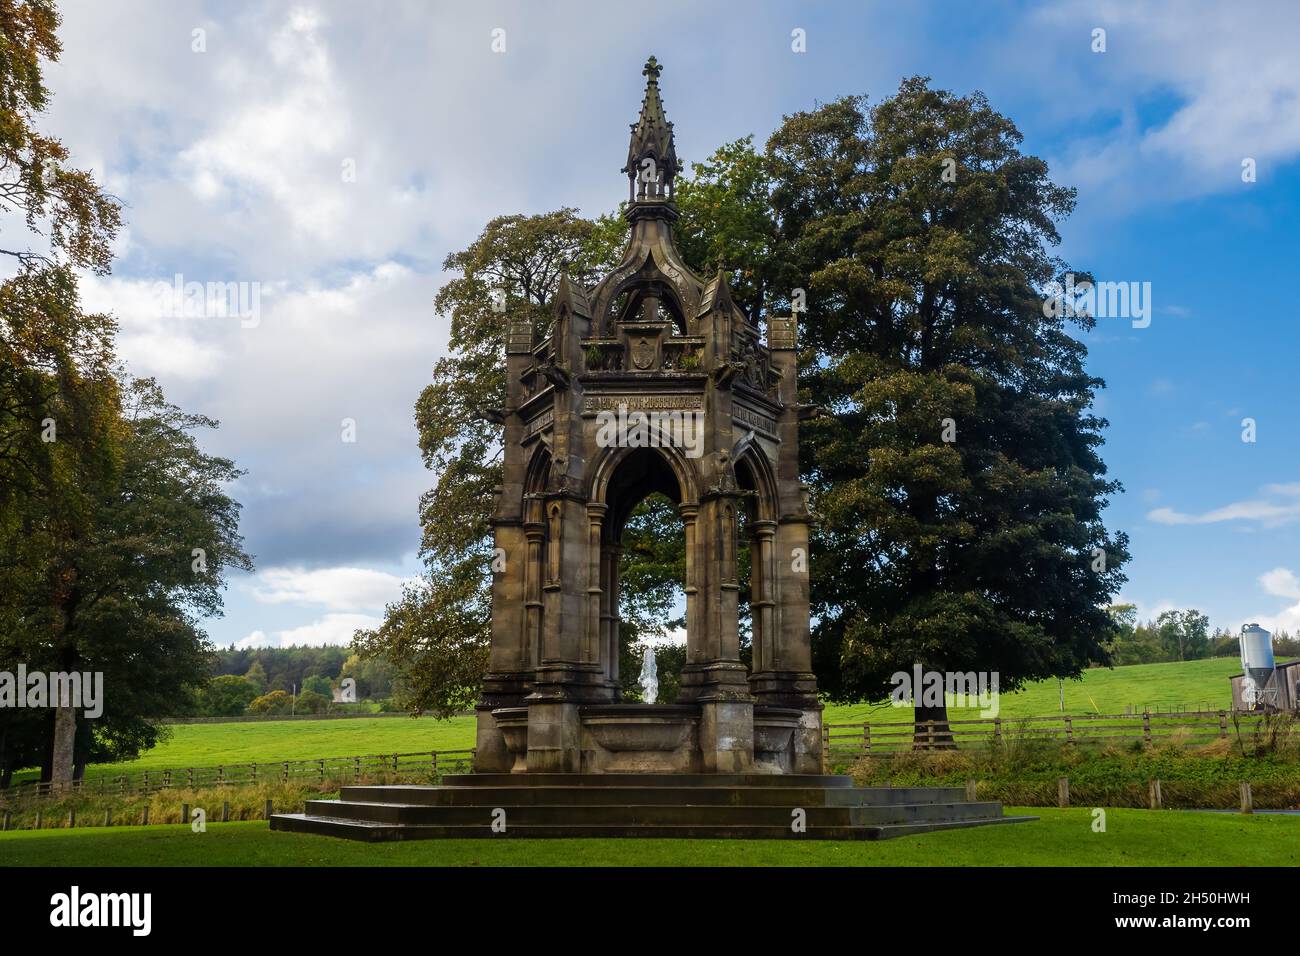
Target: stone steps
[[652, 814], [741, 806], [380, 832], [642, 795]]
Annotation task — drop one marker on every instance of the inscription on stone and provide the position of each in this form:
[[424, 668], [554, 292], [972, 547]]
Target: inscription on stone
[[754, 419], [641, 403], [541, 421]]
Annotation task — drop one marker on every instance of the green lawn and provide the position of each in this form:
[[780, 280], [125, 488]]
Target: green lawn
[[1192, 683], [207, 745], [1195, 684], [1059, 838]]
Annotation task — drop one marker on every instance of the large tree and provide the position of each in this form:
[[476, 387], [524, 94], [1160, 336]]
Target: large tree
[[147, 563], [104, 495], [58, 432], [956, 475]]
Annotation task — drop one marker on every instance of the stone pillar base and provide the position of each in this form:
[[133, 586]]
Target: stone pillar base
[[554, 737], [727, 734], [490, 752], [807, 755]]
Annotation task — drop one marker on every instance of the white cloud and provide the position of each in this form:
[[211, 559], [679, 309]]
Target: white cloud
[[1279, 505], [339, 589], [330, 629], [255, 639], [1229, 71], [1281, 582]]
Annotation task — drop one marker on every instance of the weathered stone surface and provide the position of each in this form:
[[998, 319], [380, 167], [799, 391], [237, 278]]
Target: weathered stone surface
[[641, 805], [651, 339]]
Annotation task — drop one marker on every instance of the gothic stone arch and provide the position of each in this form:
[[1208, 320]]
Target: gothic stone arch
[[655, 349]]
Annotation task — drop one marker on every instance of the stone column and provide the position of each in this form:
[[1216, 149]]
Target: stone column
[[612, 553], [726, 706], [594, 649], [762, 606]]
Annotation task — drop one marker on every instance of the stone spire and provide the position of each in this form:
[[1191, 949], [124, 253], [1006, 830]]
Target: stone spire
[[652, 140]]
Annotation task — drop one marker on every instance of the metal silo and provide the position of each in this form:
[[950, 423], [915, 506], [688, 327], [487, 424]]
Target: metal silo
[[1257, 666]]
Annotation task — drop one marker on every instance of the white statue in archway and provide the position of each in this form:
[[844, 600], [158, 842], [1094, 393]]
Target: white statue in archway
[[649, 677]]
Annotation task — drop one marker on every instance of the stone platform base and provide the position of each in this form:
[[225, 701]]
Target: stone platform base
[[742, 806]]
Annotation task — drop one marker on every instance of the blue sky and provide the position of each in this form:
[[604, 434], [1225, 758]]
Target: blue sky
[[229, 160]]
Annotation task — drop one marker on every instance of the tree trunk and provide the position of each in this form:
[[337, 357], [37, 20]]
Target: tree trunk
[[931, 730], [65, 737]]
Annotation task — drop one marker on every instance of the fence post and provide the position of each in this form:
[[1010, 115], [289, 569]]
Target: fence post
[[167, 779], [286, 771], [1153, 792], [356, 769], [253, 766], [1069, 731], [866, 738], [826, 745], [394, 763], [970, 789], [39, 816], [1223, 724], [146, 781], [225, 811], [72, 819], [269, 809], [1247, 803], [1063, 792], [221, 774], [144, 816], [185, 813], [108, 818], [997, 729], [322, 768], [1146, 727], [189, 777], [4, 823]]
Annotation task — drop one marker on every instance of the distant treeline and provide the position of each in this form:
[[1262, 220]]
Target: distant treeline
[[297, 679], [1180, 636]]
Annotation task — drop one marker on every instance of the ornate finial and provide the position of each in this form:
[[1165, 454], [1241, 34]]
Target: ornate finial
[[652, 162]]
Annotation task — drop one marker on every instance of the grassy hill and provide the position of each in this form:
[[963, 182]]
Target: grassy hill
[[1193, 684]]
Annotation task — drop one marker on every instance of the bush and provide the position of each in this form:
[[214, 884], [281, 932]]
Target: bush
[[225, 696], [275, 703]]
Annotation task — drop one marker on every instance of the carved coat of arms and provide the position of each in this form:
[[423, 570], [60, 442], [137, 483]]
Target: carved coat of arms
[[643, 353]]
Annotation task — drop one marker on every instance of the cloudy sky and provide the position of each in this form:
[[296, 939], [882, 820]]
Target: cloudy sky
[[333, 153]]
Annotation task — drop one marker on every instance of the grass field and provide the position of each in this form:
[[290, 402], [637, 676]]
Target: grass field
[[206, 745], [1058, 838], [1190, 683], [1193, 684]]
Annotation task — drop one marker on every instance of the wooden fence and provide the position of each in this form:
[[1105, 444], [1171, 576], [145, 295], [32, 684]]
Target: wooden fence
[[422, 765], [868, 739]]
